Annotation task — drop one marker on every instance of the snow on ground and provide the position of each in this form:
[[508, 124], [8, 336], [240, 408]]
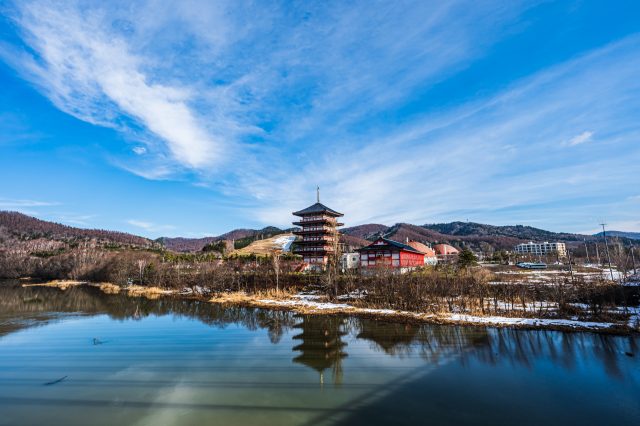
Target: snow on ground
[[356, 294], [494, 320], [549, 277], [305, 302], [284, 242]]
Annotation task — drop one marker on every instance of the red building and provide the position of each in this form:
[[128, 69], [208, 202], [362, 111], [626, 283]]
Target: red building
[[319, 236], [388, 253]]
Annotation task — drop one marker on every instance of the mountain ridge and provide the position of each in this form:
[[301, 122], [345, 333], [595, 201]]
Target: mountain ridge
[[475, 236], [624, 234]]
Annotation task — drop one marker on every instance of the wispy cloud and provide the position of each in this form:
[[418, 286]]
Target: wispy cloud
[[90, 71], [74, 219], [150, 226], [260, 110], [149, 72], [428, 169], [583, 137], [140, 150], [13, 204]]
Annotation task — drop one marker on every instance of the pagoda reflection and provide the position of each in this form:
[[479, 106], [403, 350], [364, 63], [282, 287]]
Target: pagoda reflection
[[321, 346]]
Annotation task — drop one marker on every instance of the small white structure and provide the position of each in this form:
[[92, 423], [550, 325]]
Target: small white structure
[[349, 261]]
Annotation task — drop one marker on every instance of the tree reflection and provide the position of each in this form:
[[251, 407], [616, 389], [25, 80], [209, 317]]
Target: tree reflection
[[322, 339], [392, 338], [38, 303]]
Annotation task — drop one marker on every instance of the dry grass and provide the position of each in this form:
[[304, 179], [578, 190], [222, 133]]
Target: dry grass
[[61, 284], [148, 292], [109, 288], [253, 299]]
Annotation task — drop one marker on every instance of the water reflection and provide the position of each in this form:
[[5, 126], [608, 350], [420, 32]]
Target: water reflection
[[175, 361], [321, 345], [320, 340]]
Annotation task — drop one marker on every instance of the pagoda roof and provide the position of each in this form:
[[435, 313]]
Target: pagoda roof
[[317, 208]]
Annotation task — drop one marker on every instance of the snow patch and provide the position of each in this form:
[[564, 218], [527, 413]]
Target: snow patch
[[493, 320], [284, 242]]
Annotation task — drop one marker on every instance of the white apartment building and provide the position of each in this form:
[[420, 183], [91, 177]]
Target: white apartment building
[[542, 248]]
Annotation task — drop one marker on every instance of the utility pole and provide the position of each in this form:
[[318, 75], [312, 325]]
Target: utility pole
[[606, 245], [586, 249], [633, 259], [598, 254]]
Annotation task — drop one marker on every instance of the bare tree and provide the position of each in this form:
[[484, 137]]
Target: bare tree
[[142, 264], [275, 260]]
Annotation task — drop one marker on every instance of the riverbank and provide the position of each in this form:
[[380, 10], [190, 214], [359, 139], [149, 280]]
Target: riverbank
[[320, 305]]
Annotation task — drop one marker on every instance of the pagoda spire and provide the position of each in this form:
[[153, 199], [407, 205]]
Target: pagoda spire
[[318, 194]]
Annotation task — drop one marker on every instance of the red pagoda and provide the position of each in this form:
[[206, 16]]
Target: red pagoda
[[319, 236]]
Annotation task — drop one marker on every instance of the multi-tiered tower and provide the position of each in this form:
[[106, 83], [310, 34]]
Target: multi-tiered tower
[[319, 233]]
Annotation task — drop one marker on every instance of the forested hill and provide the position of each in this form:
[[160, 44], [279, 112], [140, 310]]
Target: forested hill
[[26, 227], [475, 236], [631, 235], [241, 237], [516, 231]]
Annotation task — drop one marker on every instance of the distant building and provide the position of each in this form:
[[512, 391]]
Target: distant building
[[392, 254], [445, 249], [539, 249], [319, 235], [349, 261], [430, 257]]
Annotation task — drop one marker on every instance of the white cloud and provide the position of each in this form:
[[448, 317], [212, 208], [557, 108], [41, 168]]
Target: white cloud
[[13, 204], [74, 219], [140, 150], [452, 161], [323, 78], [583, 137], [91, 72], [149, 226]]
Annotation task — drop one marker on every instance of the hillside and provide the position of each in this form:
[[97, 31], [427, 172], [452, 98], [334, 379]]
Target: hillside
[[16, 227], [475, 236], [630, 235], [517, 231], [24, 227], [266, 247], [242, 237], [185, 244], [366, 232]]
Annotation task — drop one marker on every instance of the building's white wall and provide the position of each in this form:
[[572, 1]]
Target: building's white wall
[[350, 260]]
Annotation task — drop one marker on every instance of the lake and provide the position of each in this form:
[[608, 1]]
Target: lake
[[79, 357]]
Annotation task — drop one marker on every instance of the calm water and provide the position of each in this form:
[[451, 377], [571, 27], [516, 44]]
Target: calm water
[[80, 357]]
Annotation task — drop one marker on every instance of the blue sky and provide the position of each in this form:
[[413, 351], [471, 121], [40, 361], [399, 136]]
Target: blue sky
[[194, 118]]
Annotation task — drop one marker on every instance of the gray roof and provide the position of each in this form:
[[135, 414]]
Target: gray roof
[[390, 243], [317, 208]]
